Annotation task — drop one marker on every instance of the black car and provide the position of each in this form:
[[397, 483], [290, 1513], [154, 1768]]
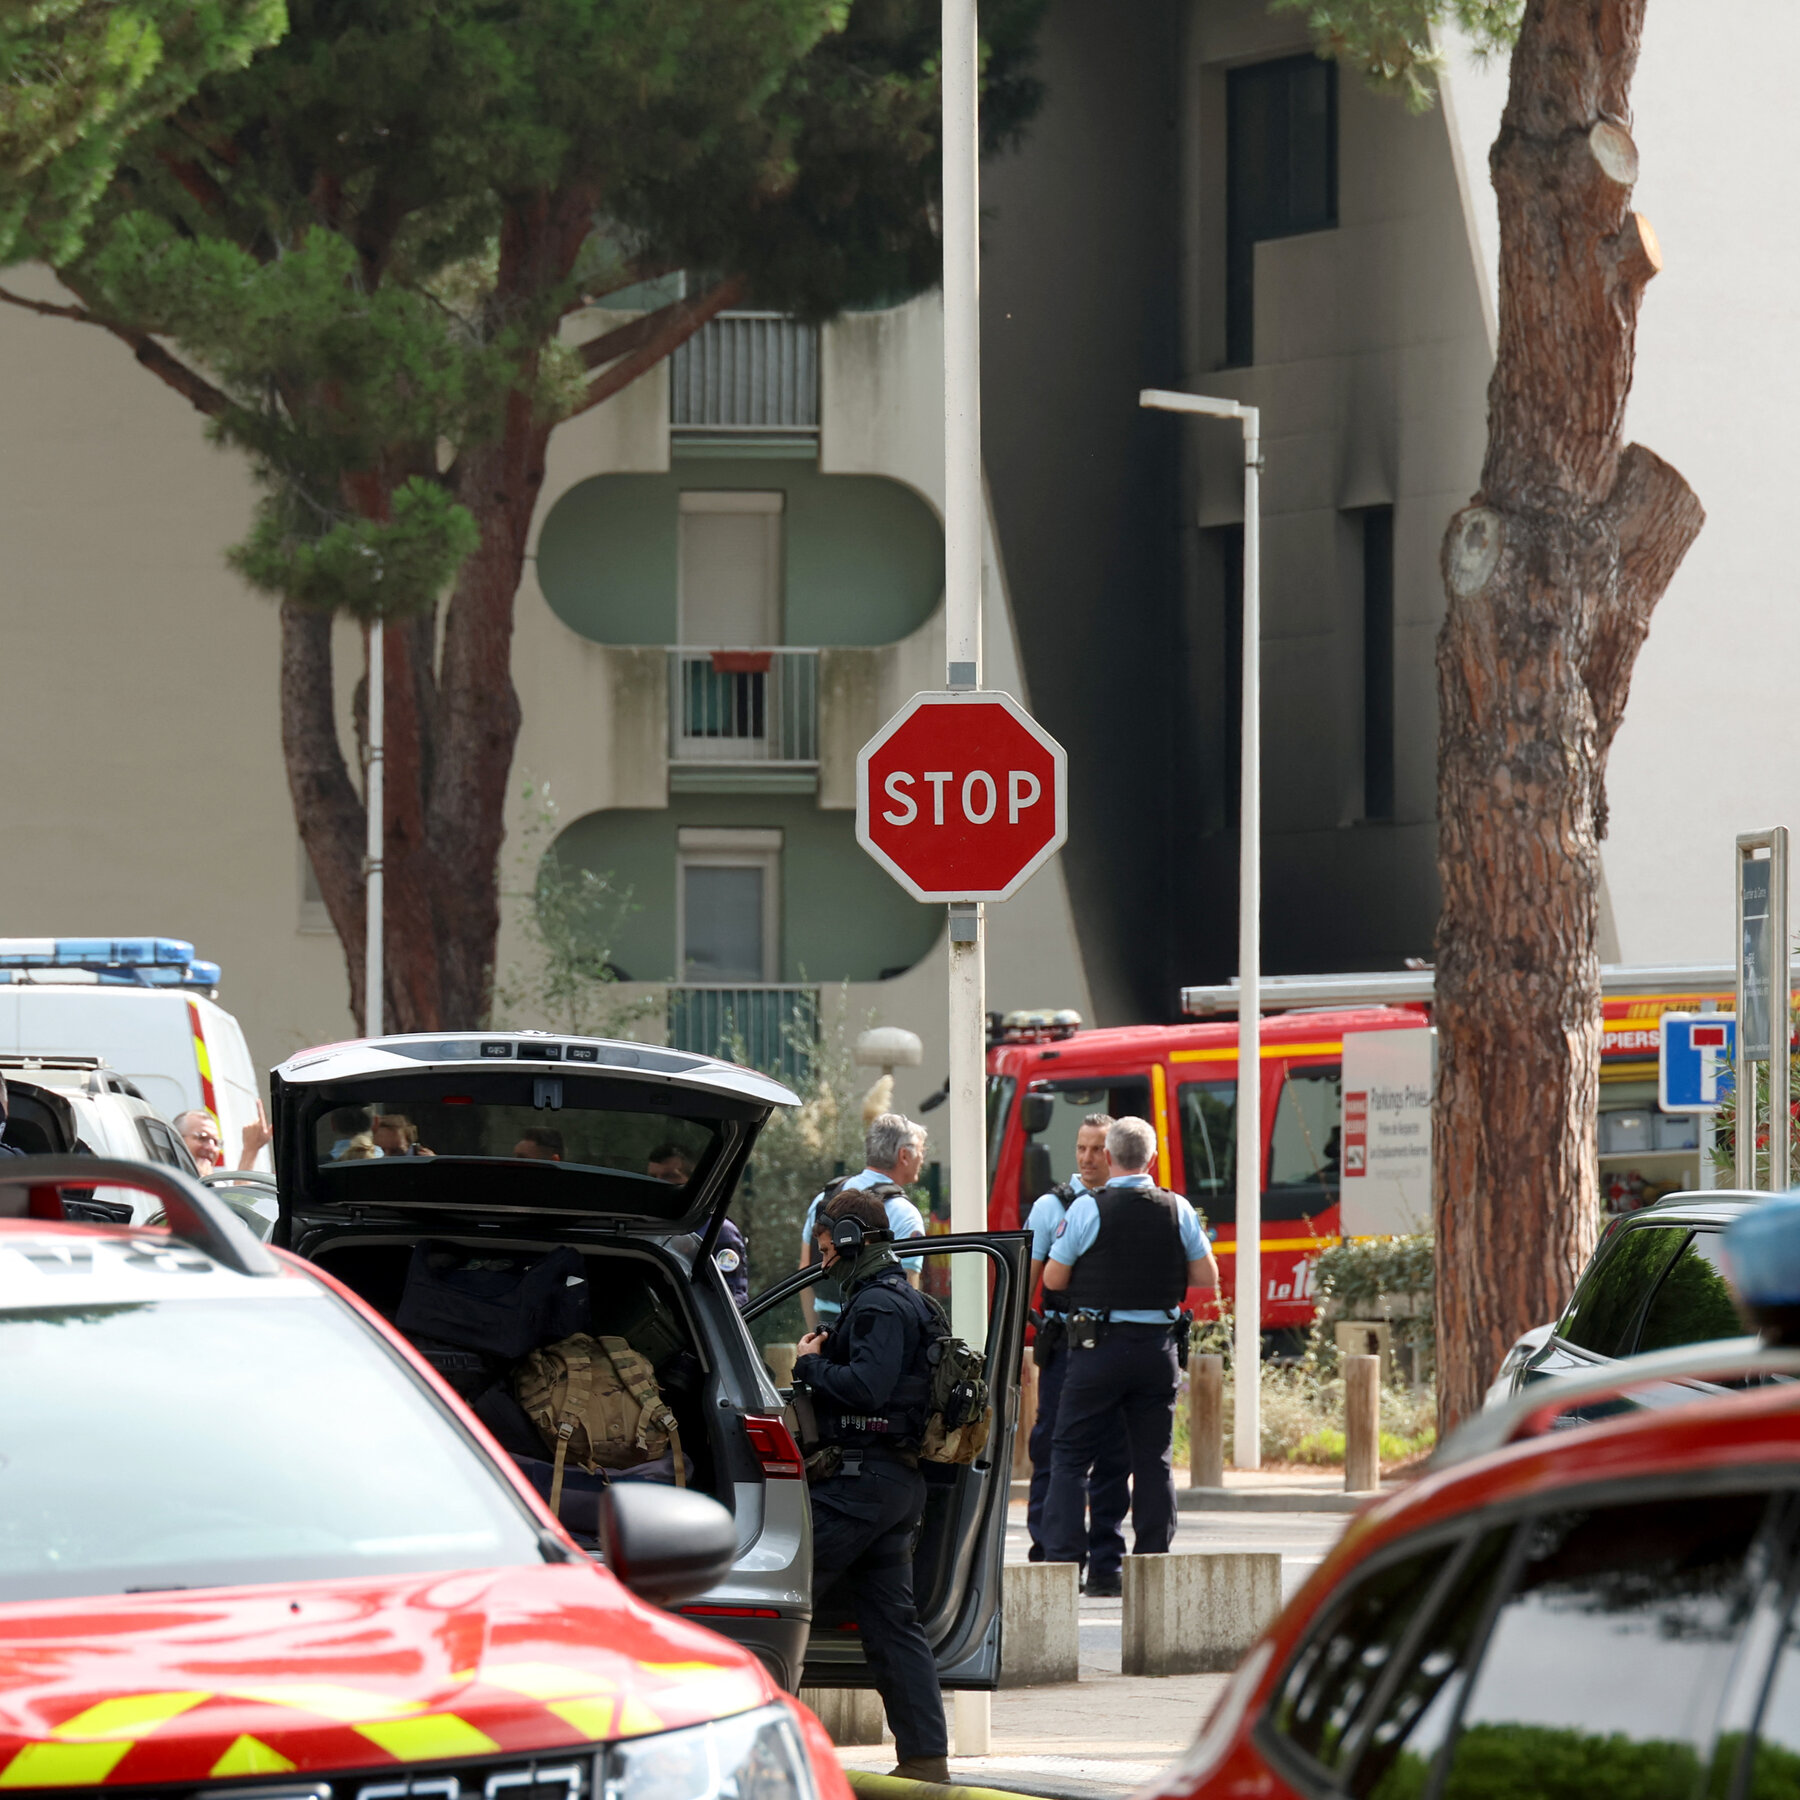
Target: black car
[[1655, 1282]]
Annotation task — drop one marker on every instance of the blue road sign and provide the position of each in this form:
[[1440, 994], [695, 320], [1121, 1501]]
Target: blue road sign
[[1694, 1067]]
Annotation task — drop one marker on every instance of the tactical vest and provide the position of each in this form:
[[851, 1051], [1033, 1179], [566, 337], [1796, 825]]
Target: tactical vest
[[901, 1424], [1056, 1300], [1137, 1262]]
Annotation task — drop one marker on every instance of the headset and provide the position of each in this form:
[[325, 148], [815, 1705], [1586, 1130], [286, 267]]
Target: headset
[[849, 1235]]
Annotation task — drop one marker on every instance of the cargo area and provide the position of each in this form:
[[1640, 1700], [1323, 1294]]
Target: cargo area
[[630, 1294]]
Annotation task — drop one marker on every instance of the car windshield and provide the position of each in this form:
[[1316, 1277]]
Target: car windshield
[[632, 1159], [217, 1442]]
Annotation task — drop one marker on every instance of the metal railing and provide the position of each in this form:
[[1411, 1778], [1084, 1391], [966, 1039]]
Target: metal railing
[[774, 1027], [753, 372], [744, 706]]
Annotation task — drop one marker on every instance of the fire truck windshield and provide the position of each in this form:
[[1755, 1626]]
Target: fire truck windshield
[[999, 1104]]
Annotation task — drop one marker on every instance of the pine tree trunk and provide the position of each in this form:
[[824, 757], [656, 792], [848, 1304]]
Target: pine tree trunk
[[1551, 573]]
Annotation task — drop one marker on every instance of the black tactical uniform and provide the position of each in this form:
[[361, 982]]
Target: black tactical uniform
[[870, 1389]]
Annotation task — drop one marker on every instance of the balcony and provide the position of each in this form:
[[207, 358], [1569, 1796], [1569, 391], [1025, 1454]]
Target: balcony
[[774, 1026], [749, 709], [752, 373]]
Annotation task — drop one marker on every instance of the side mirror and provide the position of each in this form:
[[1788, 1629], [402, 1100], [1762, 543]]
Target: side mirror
[[1035, 1175], [665, 1544], [1036, 1112]]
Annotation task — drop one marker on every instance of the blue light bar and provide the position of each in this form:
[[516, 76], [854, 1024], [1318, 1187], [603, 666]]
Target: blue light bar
[[96, 953]]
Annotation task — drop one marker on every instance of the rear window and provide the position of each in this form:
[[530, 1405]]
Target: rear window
[[205, 1443], [1603, 1315], [563, 1139]]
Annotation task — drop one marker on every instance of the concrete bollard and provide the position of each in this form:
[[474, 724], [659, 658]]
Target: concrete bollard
[[1206, 1421], [849, 1715], [1362, 1423], [1197, 1612], [1040, 1634]]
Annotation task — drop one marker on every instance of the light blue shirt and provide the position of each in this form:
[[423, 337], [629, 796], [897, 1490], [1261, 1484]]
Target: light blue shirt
[[1048, 1212], [1075, 1237], [904, 1221]]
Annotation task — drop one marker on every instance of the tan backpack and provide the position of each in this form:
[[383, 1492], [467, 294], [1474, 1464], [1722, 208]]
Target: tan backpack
[[595, 1400]]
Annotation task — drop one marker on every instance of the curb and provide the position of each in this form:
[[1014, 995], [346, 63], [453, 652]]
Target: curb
[[1271, 1500], [869, 1786]]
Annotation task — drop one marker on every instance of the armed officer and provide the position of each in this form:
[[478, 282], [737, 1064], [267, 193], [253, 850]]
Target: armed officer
[[871, 1386], [1109, 1487], [1124, 1259]]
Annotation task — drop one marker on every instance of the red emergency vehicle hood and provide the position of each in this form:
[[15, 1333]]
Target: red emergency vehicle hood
[[343, 1675]]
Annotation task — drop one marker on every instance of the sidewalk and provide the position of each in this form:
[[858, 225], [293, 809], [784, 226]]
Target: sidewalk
[[1287, 1488], [1094, 1739]]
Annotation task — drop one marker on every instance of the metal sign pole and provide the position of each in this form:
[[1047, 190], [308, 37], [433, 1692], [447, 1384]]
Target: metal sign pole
[[1764, 999], [962, 654], [1247, 1298], [374, 788]]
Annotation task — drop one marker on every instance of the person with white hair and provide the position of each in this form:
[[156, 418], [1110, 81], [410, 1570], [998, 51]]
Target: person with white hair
[[1123, 1259], [200, 1131], [893, 1155]]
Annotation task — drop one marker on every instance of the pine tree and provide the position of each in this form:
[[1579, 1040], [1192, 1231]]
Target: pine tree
[[1551, 574], [364, 258]]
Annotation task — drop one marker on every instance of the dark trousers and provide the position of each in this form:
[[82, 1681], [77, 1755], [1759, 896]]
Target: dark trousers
[[1131, 1374], [1108, 1487], [863, 1531]]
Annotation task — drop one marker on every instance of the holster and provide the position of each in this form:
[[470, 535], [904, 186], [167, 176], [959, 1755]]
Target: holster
[[804, 1418], [824, 1463], [1053, 1329], [1184, 1337]]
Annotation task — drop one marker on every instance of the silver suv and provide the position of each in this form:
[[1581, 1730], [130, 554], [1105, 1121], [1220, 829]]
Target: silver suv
[[507, 1146]]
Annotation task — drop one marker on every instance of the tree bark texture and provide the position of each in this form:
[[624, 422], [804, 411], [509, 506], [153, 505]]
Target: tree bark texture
[[1551, 575]]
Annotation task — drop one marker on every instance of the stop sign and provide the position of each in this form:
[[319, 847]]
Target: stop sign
[[962, 796]]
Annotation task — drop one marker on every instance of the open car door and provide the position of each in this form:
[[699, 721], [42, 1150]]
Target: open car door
[[956, 1568]]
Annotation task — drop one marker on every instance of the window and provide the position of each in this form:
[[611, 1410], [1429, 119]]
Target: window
[[1332, 1680], [1000, 1090], [1209, 1146], [1227, 567], [161, 1144], [1692, 1302], [1604, 1668], [1304, 1150], [1378, 661], [727, 906], [730, 568], [1603, 1315], [313, 916], [1281, 173], [1074, 1101], [226, 1425]]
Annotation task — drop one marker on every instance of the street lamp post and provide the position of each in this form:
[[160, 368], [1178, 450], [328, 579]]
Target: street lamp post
[[374, 974], [1247, 1430]]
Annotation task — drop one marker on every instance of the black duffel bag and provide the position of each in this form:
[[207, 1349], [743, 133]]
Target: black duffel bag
[[501, 1303]]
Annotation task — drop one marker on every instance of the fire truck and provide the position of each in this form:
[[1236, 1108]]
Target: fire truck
[[1046, 1073]]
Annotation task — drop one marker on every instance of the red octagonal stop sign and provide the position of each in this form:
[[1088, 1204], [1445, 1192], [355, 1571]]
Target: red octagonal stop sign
[[962, 796]]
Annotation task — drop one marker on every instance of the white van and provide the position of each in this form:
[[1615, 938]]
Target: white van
[[176, 1047]]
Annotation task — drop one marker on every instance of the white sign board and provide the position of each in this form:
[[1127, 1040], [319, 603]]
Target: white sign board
[[1387, 1132]]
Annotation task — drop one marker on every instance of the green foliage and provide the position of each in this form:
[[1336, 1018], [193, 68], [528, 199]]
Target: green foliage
[[570, 917], [366, 240], [1394, 43], [78, 77], [1354, 1280]]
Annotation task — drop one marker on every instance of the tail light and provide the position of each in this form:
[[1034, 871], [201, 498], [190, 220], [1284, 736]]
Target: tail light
[[774, 1447], [44, 1203]]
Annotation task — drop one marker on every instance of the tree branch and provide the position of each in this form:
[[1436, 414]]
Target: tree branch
[[685, 318], [188, 383], [1657, 516]]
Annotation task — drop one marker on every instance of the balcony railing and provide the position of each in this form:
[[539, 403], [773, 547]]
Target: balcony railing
[[774, 1027], [744, 706], [749, 372]]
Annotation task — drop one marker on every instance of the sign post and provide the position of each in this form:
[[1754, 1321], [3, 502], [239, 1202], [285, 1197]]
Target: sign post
[[1764, 985]]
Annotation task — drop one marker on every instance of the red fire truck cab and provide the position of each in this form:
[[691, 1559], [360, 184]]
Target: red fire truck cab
[[1045, 1075]]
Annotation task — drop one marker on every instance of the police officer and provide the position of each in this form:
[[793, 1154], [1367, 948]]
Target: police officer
[[870, 1384], [1124, 1259], [893, 1155], [1109, 1487]]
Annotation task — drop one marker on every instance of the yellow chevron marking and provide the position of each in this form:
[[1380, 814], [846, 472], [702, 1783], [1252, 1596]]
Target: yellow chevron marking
[[62, 1765], [127, 1716], [430, 1736], [251, 1756], [635, 1718], [547, 1681], [592, 1718], [349, 1706]]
